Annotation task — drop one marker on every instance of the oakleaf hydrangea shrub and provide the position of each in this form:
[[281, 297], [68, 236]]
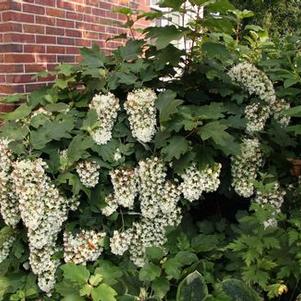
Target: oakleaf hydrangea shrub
[[130, 171]]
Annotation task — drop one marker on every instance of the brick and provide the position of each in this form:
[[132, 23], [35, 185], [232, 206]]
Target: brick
[[9, 27], [56, 49], [73, 33], [50, 11], [65, 41], [98, 12], [45, 2], [46, 58], [65, 59], [9, 89], [12, 68], [6, 107], [45, 20], [65, 23], [19, 58], [33, 9], [32, 87], [34, 48], [17, 17], [4, 48], [43, 39], [65, 5], [55, 31], [33, 28], [72, 50], [31, 68], [20, 78], [83, 43], [74, 16], [15, 6], [21, 38]]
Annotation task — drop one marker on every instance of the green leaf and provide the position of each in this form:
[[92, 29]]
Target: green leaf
[[149, 272], [109, 272], [172, 268], [186, 258], [164, 35], [217, 132], [77, 147], [177, 146], [238, 291], [104, 293], [76, 273], [161, 287], [92, 57], [175, 4], [73, 297], [154, 253], [192, 288], [167, 105]]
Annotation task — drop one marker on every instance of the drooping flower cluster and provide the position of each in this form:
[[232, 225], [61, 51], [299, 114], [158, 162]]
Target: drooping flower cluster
[[88, 172], [5, 247], [254, 81], [257, 116], [125, 186], [148, 232], [83, 247], [273, 197], [43, 211], [158, 205], [106, 107], [141, 110], [8, 199], [245, 167], [196, 181], [279, 108]]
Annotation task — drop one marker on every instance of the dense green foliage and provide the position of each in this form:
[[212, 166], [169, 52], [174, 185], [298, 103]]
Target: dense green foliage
[[222, 249], [279, 17]]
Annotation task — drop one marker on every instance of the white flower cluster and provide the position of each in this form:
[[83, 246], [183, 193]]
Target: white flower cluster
[[43, 211], [196, 181], [88, 172], [245, 166], [5, 247], [83, 247], [257, 116], [141, 110], [254, 81], [158, 204], [8, 199], [279, 106], [125, 186], [148, 232], [106, 107], [274, 197]]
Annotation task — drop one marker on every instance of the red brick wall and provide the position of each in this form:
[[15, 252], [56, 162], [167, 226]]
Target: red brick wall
[[38, 34]]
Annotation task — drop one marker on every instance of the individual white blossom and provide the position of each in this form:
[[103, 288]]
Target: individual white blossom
[[43, 210], [273, 197], [5, 247], [141, 111], [106, 107], [278, 108], [85, 246], [244, 167], [120, 242], [111, 205], [257, 116], [169, 198], [117, 155], [196, 181], [254, 81], [125, 186], [8, 199], [88, 172]]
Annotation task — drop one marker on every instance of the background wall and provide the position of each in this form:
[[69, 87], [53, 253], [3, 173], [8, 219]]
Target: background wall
[[39, 34]]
